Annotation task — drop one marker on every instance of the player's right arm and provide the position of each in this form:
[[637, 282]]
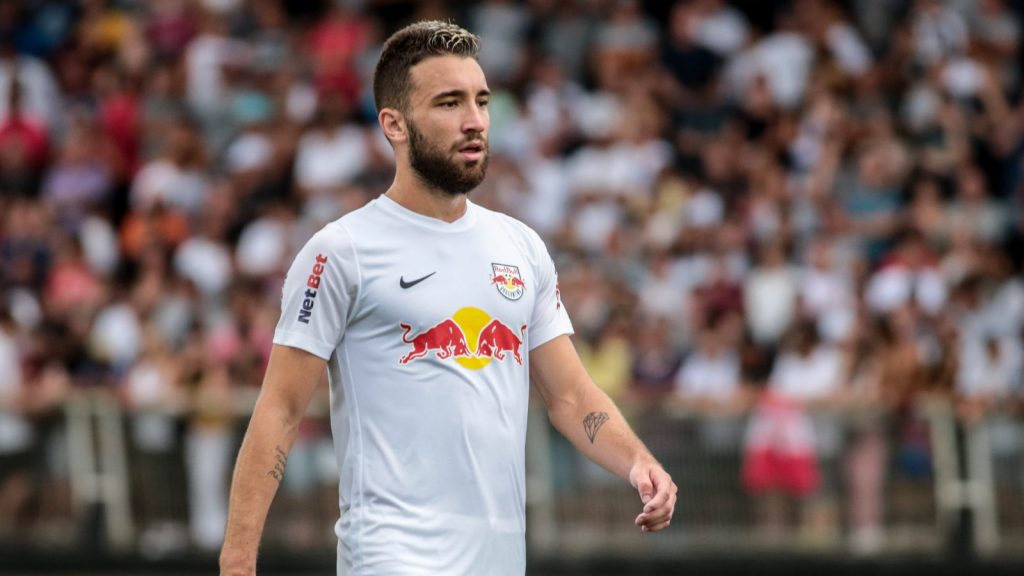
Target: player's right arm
[[291, 379], [316, 303]]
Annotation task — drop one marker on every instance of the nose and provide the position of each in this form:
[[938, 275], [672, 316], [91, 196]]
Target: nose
[[476, 119]]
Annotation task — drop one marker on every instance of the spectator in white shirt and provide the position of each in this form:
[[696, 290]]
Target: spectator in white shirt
[[40, 91], [721, 28], [909, 276], [808, 372], [769, 295], [331, 153], [710, 382], [826, 295], [938, 32], [177, 179], [989, 373], [710, 378]]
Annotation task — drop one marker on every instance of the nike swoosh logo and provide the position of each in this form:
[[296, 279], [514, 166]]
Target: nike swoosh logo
[[404, 284]]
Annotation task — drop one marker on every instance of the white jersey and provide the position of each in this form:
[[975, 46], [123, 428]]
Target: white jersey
[[426, 327]]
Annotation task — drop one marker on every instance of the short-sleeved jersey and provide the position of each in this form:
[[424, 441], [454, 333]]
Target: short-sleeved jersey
[[426, 327]]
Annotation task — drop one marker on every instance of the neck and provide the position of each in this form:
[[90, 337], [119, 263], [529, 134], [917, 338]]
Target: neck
[[413, 194]]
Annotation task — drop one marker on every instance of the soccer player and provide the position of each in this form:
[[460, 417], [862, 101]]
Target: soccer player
[[431, 315]]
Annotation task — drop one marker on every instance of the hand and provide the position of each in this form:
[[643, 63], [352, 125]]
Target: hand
[[657, 492]]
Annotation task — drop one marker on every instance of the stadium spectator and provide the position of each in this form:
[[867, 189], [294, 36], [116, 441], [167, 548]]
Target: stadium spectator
[[178, 179], [332, 152], [17, 434], [152, 390], [710, 378], [787, 445], [29, 81], [770, 295]]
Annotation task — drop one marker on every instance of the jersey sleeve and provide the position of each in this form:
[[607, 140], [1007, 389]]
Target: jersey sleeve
[[319, 293], [549, 319]]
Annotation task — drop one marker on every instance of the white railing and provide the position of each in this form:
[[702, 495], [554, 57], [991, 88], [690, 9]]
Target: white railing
[[573, 508]]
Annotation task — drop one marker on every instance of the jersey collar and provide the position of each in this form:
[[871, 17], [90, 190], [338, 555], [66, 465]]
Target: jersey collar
[[465, 222]]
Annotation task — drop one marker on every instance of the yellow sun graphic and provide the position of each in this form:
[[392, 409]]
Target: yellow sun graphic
[[472, 321]]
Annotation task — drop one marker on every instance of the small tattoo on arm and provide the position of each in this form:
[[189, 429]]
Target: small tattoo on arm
[[278, 472], [593, 422]]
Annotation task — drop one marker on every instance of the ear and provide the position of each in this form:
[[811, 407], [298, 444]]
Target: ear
[[393, 123]]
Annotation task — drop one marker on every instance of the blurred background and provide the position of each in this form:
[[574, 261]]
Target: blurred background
[[790, 236]]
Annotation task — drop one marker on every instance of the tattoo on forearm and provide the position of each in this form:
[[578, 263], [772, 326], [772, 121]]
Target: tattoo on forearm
[[593, 422], [278, 472]]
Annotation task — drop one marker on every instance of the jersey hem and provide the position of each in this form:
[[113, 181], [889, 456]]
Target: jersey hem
[[547, 335], [305, 343]]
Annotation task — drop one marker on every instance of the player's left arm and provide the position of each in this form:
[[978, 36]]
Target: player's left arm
[[585, 415]]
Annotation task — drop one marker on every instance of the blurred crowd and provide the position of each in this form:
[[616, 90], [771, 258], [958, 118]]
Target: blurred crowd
[[755, 208]]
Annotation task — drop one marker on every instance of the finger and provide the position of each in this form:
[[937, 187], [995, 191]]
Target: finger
[[654, 518], [663, 486], [665, 499], [656, 527], [657, 515]]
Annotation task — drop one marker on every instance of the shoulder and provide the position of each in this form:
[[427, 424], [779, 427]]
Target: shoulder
[[512, 226], [334, 241], [346, 229]]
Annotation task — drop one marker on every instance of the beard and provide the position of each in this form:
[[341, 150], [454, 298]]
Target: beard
[[437, 169]]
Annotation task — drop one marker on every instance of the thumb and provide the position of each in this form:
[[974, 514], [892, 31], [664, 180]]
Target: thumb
[[646, 490]]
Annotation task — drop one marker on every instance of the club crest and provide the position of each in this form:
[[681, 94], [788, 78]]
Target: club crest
[[507, 280]]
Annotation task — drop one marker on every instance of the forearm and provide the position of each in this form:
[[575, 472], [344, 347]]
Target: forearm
[[594, 424], [258, 473]]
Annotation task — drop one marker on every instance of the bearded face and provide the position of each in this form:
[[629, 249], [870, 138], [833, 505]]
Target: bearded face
[[454, 170]]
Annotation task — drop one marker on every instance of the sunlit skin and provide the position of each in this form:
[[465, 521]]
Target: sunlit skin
[[447, 116]]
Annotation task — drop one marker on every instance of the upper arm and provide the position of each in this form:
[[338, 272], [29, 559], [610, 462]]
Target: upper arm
[[291, 379], [558, 373]]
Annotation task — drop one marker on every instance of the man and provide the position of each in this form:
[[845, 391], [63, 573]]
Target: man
[[431, 315]]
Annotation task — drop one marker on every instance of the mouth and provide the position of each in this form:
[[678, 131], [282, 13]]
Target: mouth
[[472, 151]]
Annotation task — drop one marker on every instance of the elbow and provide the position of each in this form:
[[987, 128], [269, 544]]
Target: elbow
[[556, 412], [567, 407], [280, 413]]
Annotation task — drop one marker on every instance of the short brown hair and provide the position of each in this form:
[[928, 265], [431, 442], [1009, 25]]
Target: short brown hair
[[410, 46]]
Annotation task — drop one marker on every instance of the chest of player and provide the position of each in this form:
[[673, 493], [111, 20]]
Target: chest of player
[[465, 298]]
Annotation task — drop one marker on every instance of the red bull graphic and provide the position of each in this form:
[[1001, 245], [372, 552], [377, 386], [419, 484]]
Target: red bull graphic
[[446, 339], [471, 337], [508, 281], [496, 339]]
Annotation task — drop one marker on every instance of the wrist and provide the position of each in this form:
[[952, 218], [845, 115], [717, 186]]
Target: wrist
[[644, 459], [236, 564], [237, 570], [639, 468]]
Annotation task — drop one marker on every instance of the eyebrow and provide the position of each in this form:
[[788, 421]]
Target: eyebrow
[[459, 94]]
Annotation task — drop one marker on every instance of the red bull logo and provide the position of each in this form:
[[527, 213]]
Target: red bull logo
[[508, 281], [471, 337]]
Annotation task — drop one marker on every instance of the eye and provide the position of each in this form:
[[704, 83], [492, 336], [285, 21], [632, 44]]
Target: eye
[[483, 103], [448, 103]]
